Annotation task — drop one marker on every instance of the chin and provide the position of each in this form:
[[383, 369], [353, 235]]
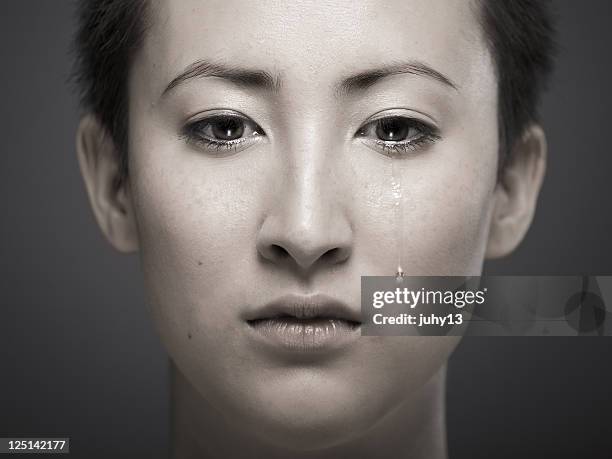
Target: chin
[[311, 429], [305, 410]]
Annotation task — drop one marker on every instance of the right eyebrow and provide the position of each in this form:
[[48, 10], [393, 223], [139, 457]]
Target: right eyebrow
[[240, 76], [364, 80]]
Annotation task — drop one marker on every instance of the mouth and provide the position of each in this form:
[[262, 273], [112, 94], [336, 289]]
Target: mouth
[[313, 323]]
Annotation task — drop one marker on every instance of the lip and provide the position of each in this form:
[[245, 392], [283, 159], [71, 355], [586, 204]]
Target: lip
[[304, 324]]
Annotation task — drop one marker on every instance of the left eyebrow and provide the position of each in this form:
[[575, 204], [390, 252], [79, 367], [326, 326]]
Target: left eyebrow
[[364, 80], [257, 79]]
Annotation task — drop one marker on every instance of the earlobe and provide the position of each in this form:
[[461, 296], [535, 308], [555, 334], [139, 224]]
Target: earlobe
[[99, 164], [517, 191]]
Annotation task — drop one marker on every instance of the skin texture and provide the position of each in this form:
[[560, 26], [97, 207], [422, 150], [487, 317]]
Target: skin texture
[[307, 207]]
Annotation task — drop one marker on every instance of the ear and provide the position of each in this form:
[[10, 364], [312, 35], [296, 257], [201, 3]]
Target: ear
[[112, 206], [517, 193]]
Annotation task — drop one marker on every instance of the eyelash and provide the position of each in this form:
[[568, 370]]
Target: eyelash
[[193, 133]]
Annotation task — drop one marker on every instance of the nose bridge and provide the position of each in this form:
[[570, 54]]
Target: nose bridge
[[309, 179], [308, 221]]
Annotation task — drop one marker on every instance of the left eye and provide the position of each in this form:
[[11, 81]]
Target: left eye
[[398, 133], [228, 128], [222, 130]]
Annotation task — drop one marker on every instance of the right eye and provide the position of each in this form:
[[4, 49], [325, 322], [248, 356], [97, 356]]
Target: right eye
[[397, 134], [223, 130]]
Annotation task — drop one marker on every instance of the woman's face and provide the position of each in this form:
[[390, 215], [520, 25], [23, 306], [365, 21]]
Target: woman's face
[[269, 170]]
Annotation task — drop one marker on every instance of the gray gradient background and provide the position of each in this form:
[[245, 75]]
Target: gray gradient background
[[78, 353]]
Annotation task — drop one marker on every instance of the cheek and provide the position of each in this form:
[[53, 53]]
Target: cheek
[[197, 221], [448, 219], [437, 223]]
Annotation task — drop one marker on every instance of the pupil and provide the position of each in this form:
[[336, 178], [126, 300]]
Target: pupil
[[392, 129], [228, 129]]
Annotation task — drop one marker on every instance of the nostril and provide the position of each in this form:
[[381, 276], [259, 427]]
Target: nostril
[[335, 255], [278, 252], [331, 255]]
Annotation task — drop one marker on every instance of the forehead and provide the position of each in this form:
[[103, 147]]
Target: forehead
[[314, 40]]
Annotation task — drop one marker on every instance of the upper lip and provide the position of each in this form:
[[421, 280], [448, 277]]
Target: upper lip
[[317, 306]]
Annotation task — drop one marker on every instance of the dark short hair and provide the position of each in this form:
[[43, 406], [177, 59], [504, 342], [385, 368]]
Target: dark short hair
[[521, 38], [109, 32], [519, 34]]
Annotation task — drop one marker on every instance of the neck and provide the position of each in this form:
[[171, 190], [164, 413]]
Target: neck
[[415, 429]]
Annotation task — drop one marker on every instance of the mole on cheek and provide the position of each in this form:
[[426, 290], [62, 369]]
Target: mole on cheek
[[188, 335]]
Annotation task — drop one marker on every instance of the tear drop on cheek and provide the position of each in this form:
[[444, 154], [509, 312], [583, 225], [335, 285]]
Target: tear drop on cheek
[[398, 215]]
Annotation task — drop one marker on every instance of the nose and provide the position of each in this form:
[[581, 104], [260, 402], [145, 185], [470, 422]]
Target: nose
[[308, 225]]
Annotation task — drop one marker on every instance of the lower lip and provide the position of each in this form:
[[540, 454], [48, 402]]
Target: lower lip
[[305, 335]]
